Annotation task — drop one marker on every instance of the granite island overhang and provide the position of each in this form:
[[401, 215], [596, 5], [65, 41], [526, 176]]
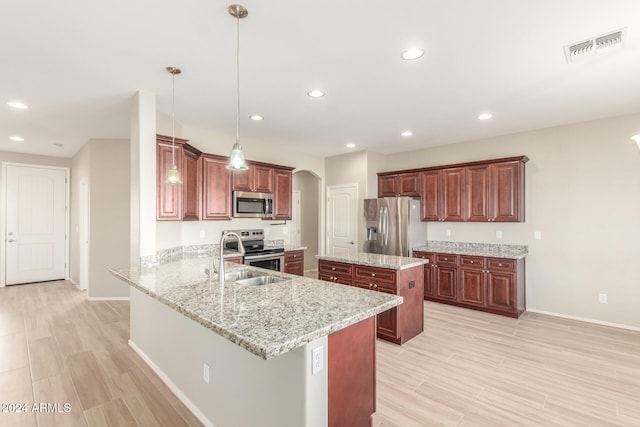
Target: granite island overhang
[[257, 341]]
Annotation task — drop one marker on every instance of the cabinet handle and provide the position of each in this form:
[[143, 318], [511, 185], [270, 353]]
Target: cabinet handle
[[333, 269], [373, 274], [295, 256], [471, 262], [375, 286], [499, 265], [445, 259]]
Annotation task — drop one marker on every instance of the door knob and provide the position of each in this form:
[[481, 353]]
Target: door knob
[[10, 240], [351, 242]]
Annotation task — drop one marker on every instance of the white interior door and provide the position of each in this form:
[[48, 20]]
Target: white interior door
[[342, 221], [296, 219], [35, 224], [84, 233]]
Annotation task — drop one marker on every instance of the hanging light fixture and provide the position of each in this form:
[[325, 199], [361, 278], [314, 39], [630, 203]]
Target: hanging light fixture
[[173, 176], [236, 159]]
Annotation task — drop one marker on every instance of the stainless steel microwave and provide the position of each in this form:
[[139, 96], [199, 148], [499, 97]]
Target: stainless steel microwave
[[248, 204]]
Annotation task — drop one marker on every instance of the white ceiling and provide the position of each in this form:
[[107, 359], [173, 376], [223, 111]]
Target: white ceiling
[[77, 63]]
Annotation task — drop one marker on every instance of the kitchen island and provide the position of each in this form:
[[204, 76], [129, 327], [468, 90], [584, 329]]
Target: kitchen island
[[244, 355], [389, 274]]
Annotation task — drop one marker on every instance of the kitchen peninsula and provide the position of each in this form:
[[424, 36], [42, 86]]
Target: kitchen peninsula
[[389, 274], [280, 354]]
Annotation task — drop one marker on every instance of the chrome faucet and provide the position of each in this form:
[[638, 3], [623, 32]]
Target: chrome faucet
[[226, 234]]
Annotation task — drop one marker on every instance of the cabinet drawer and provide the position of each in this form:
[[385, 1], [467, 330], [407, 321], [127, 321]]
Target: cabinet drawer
[[335, 279], [376, 285], [446, 259], [335, 268], [424, 255], [501, 264], [293, 256], [373, 273], [472, 261]]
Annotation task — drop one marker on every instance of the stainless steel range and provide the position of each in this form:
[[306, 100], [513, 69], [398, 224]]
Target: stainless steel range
[[256, 254]]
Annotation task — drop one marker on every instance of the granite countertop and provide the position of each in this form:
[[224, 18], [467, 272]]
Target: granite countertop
[[475, 249], [289, 248], [376, 260], [267, 320]]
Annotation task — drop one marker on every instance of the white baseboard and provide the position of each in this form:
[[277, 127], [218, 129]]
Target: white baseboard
[[174, 388], [108, 299], [584, 319]]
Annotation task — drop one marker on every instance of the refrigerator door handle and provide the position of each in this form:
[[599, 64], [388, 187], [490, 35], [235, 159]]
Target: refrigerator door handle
[[380, 211], [385, 221]]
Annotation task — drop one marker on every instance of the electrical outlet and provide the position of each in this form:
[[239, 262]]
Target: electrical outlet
[[498, 234], [317, 356], [202, 234], [205, 373], [602, 298], [537, 235], [447, 232]]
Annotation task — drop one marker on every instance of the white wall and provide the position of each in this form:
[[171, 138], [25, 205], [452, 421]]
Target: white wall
[[583, 194]]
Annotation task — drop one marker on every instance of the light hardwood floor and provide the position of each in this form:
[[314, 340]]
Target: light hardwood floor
[[467, 369]]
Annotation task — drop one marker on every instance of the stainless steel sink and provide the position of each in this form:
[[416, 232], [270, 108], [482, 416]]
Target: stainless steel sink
[[258, 281], [234, 275]]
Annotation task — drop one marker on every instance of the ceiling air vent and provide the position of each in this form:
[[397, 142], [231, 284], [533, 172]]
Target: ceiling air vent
[[596, 45]]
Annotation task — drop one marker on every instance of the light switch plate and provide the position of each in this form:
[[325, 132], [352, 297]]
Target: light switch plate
[[498, 234]]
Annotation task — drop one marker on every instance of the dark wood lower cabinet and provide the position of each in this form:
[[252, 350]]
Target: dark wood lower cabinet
[[397, 325], [294, 262], [352, 375], [495, 285]]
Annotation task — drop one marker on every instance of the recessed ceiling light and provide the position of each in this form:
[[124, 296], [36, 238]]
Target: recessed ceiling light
[[17, 104], [407, 133], [485, 116], [256, 117], [16, 138], [316, 93], [412, 53], [351, 145]]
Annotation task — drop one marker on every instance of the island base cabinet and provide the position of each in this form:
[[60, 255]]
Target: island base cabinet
[[352, 375]]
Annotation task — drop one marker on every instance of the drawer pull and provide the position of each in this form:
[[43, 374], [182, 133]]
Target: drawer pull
[[500, 265], [445, 259], [373, 274], [471, 262], [333, 268]]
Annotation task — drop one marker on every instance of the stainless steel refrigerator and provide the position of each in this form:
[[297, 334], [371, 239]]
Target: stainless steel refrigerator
[[393, 226]]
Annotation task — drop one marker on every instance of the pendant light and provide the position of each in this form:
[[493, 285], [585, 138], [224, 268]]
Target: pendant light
[[173, 176], [236, 159]]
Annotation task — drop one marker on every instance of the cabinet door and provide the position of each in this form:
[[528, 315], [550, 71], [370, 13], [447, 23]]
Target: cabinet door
[[430, 184], [428, 282], [243, 180], [388, 320], [216, 188], [501, 291], [477, 193], [472, 286], [263, 179], [294, 262], [409, 184], [387, 186], [191, 181], [505, 189], [282, 194], [453, 194], [446, 284], [169, 196]]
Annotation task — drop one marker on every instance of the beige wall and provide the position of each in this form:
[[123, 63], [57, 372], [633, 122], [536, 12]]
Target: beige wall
[[583, 195], [106, 164], [309, 187]]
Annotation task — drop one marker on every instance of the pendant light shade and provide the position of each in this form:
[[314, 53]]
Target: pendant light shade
[[236, 159], [173, 176]]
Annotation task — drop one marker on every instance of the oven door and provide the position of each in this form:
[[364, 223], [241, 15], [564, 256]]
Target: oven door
[[269, 262]]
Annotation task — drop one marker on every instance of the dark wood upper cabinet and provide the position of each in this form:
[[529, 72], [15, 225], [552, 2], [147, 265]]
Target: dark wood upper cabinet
[[443, 195], [216, 187], [495, 192], [282, 193], [487, 190], [404, 184], [257, 178], [177, 202]]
